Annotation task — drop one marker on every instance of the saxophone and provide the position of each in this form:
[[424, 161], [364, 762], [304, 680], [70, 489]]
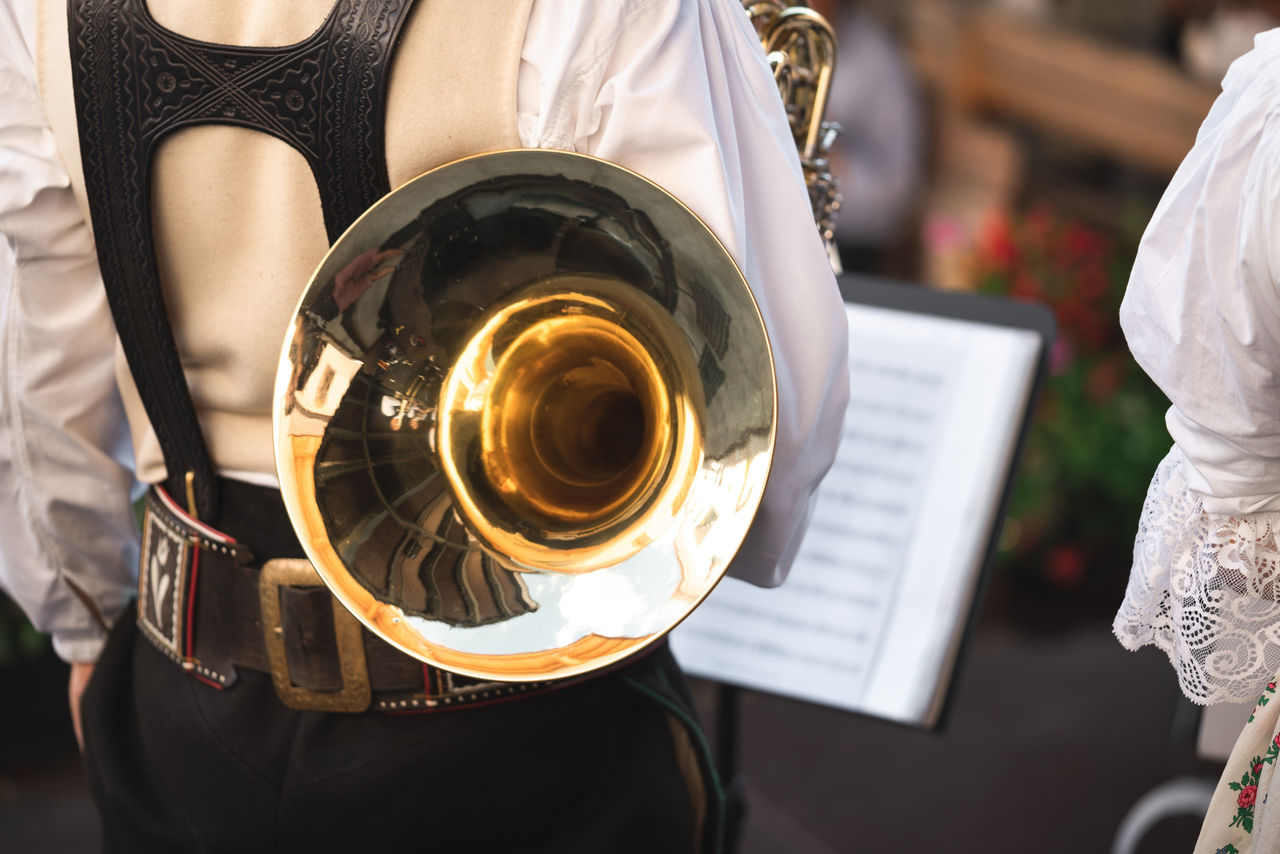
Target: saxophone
[[801, 48]]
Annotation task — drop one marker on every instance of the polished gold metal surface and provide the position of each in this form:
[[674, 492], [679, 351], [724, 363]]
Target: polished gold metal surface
[[575, 400], [524, 415], [801, 48]]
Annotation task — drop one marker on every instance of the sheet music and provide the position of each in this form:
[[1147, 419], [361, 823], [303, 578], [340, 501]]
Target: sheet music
[[875, 606]]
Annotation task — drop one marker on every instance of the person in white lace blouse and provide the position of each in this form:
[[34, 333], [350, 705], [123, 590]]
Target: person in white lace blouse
[[1202, 318]]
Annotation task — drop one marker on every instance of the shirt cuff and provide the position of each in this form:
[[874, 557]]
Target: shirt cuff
[[1205, 589], [82, 646]]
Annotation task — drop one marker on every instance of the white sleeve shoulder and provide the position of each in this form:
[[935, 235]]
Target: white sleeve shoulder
[[67, 537], [680, 92], [1202, 310]]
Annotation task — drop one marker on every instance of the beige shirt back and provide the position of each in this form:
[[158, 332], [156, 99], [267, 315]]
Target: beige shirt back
[[236, 213]]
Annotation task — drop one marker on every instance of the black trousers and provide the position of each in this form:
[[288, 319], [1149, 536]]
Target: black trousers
[[603, 766], [614, 764]]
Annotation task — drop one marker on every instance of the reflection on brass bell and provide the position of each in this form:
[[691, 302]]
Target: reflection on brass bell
[[524, 415]]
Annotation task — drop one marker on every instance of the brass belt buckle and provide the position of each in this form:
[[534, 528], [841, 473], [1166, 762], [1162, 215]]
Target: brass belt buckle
[[355, 693]]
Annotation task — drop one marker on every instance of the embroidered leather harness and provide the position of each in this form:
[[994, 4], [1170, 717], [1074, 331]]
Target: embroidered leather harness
[[137, 82]]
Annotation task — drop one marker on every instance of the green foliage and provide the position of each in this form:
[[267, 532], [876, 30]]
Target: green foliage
[[1098, 432]]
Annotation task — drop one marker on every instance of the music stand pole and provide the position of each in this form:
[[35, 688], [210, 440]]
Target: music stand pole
[[728, 698]]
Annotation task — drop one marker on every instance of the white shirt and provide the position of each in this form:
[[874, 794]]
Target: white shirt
[[676, 91], [1202, 317]]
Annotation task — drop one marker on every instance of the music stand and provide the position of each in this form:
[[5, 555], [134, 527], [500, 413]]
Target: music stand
[[986, 358]]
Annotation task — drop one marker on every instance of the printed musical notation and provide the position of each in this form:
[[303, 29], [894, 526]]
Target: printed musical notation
[[871, 615]]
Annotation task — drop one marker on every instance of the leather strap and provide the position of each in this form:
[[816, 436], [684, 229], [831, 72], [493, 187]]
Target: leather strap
[[200, 602], [135, 82]]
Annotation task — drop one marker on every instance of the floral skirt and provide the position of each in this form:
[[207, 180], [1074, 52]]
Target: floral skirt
[[1238, 820]]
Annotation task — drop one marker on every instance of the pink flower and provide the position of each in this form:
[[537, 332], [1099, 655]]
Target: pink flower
[[1248, 795], [944, 233], [1061, 355]]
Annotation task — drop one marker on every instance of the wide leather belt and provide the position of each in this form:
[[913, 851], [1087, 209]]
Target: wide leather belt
[[205, 602]]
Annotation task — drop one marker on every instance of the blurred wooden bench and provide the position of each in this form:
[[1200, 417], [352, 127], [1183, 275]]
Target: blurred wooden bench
[[1117, 101]]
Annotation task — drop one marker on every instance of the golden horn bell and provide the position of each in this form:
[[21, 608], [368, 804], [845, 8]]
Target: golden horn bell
[[524, 415]]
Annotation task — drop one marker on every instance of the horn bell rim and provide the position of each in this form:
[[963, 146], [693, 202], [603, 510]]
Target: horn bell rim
[[349, 373]]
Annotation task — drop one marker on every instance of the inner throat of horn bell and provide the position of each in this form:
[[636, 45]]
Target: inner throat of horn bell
[[578, 431]]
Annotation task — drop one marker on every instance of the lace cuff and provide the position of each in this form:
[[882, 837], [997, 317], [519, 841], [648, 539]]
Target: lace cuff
[[1205, 589]]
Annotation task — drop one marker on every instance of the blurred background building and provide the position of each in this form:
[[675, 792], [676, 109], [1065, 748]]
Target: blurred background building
[[1014, 147]]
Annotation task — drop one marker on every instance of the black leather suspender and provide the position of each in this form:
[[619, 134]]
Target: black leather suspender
[[135, 82]]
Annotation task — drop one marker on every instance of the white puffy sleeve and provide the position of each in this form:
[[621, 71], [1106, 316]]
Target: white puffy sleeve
[[67, 542], [1202, 317], [680, 92]]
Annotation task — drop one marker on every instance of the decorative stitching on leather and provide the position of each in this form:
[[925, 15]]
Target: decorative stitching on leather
[[495, 691], [136, 81], [162, 582], [177, 589]]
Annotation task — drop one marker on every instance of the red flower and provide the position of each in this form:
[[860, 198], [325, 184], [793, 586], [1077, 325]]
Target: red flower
[[1271, 686], [998, 246], [1104, 380], [1066, 565], [1091, 282], [1081, 243], [1257, 768], [1026, 286], [1248, 795], [1039, 225], [1278, 739]]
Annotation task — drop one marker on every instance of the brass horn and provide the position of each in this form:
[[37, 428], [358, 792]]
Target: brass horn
[[524, 415], [800, 46]]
